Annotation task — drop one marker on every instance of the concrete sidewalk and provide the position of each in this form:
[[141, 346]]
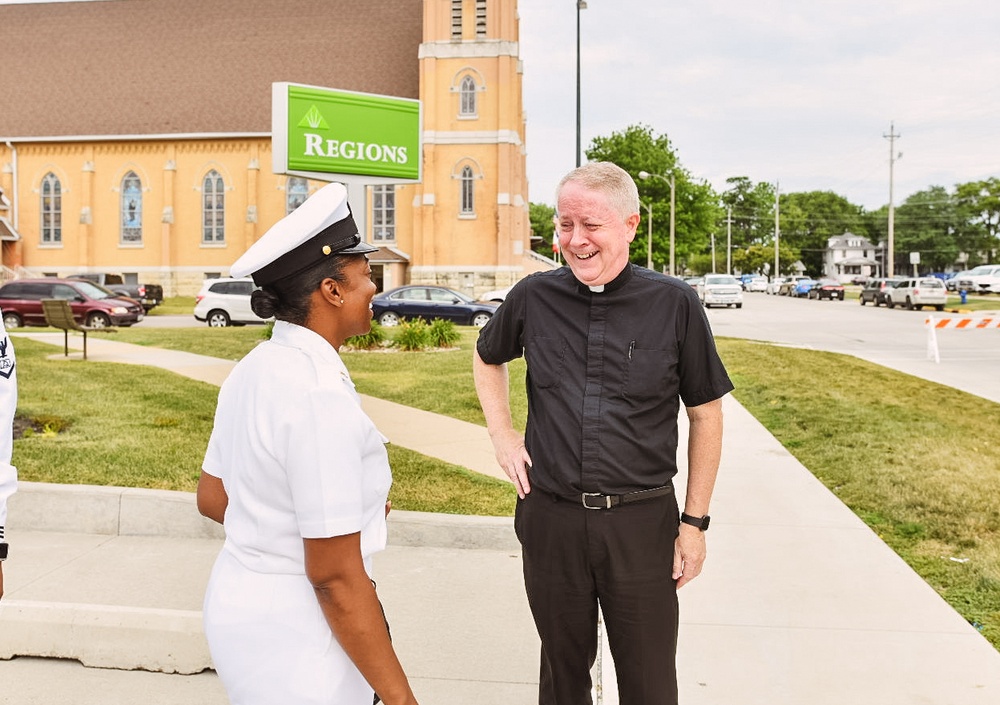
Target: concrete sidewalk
[[799, 603]]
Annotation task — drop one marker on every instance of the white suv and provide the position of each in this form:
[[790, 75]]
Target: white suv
[[720, 290], [917, 293], [224, 302]]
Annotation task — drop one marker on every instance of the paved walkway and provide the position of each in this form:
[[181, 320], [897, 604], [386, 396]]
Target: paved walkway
[[799, 603]]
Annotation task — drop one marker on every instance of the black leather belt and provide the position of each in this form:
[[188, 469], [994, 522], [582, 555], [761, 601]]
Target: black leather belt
[[597, 500]]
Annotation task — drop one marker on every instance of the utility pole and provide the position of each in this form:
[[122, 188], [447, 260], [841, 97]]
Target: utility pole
[[892, 137], [580, 5], [729, 240], [672, 270], [777, 227], [713, 251]]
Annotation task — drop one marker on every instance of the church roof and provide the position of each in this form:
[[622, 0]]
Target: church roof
[[162, 67]]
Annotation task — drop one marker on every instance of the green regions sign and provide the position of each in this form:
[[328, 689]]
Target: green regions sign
[[327, 131]]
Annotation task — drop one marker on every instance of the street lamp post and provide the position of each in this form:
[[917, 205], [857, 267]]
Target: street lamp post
[[580, 5], [670, 180], [649, 234]]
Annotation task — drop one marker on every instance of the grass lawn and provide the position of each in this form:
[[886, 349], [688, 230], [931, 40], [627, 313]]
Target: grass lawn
[[905, 454], [174, 305], [134, 426]]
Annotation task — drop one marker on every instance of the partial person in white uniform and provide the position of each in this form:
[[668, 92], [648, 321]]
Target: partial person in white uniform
[[8, 405], [299, 476]]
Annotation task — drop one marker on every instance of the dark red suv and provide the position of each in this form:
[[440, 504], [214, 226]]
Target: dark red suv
[[93, 305]]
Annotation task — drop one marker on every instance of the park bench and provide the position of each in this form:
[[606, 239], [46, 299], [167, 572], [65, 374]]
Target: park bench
[[58, 314]]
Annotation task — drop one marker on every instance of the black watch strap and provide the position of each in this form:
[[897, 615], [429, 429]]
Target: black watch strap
[[697, 522], [3, 551]]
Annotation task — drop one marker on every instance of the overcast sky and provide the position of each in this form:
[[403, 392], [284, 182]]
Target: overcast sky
[[776, 90]]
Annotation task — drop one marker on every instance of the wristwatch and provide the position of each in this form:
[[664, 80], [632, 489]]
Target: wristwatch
[[698, 522], [3, 551]]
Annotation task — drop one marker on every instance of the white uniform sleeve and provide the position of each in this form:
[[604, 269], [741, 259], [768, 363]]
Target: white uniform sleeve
[[325, 466], [8, 405]]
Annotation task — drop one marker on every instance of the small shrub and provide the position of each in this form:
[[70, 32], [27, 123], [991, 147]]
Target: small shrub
[[412, 335], [442, 333], [369, 341]]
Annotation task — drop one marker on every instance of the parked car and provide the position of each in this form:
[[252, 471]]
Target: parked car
[[694, 281], [226, 302], [951, 283], [860, 280], [430, 302], [720, 290], [801, 288], [827, 289], [874, 291], [93, 305], [757, 282], [984, 279], [787, 287], [149, 295], [917, 293], [498, 295], [774, 285]]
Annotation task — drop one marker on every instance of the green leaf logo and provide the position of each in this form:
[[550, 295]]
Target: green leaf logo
[[314, 120]]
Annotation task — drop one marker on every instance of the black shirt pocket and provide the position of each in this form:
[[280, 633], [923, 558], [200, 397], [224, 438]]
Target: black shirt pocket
[[545, 357], [650, 374]]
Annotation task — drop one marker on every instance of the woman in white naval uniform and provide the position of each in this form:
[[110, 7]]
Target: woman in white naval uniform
[[299, 477]]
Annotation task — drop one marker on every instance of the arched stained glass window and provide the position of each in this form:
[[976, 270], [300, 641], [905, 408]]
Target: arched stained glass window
[[51, 207], [468, 204], [296, 192], [131, 210], [213, 209], [468, 96]]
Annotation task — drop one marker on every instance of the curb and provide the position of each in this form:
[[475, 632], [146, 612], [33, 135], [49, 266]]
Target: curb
[[126, 511], [153, 638]]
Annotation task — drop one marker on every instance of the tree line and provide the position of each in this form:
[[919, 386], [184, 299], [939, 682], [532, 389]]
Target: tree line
[[951, 229]]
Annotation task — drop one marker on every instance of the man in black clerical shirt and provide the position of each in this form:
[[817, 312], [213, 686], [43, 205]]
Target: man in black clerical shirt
[[612, 350]]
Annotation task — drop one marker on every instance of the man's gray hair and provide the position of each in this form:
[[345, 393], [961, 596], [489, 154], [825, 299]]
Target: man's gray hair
[[615, 182]]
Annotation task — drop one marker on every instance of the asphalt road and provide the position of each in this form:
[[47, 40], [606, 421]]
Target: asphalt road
[[969, 359]]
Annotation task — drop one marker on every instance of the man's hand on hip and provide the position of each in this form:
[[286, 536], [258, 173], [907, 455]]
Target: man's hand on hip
[[513, 458]]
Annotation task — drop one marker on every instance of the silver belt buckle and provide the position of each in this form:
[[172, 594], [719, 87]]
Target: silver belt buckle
[[607, 499]]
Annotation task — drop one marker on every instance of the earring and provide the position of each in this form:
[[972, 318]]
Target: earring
[[341, 301]]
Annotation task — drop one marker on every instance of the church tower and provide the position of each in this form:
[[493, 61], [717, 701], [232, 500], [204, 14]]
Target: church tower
[[470, 226]]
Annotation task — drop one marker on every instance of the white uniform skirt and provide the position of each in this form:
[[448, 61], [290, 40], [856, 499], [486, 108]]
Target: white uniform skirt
[[270, 642]]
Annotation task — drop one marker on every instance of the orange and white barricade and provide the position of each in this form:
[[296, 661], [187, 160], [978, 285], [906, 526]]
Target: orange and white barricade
[[980, 321]]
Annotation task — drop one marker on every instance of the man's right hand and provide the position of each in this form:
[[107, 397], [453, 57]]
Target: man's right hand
[[513, 458]]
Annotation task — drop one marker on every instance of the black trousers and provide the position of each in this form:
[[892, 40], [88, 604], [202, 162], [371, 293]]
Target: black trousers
[[622, 558]]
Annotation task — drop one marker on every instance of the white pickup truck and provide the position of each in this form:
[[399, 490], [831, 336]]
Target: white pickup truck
[[984, 279]]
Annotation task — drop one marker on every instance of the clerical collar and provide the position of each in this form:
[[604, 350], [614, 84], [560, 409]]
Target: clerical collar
[[617, 283]]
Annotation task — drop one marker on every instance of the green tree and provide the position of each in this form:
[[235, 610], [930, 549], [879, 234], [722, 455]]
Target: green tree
[[760, 258], [543, 228], [927, 222], [751, 207], [809, 219], [696, 210], [978, 206]]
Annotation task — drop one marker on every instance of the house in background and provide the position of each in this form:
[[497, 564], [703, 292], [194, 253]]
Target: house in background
[[135, 136], [849, 257]]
